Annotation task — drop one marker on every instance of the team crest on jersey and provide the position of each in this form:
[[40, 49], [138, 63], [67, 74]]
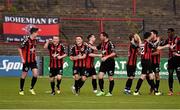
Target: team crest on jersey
[[82, 49]]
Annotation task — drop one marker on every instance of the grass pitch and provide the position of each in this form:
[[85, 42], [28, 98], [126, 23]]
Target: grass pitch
[[9, 98]]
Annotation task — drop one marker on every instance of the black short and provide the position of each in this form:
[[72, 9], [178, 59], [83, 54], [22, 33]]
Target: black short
[[108, 66], [131, 69], [146, 66], [177, 64], [55, 71], [90, 71], [172, 63], [27, 66], [79, 70], [155, 68]]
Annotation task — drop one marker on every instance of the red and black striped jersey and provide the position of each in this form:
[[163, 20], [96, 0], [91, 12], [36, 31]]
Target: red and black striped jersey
[[28, 47], [170, 41], [89, 59], [106, 47], [54, 52], [177, 47], [146, 50], [155, 58], [132, 54], [79, 50]]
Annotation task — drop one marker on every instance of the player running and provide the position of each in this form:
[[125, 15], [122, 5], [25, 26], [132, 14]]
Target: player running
[[56, 53], [27, 52]]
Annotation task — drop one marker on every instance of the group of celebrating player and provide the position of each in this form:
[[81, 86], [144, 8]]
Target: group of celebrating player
[[82, 54]]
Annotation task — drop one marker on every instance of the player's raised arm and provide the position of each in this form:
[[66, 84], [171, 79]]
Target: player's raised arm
[[46, 44], [91, 46], [138, 38]]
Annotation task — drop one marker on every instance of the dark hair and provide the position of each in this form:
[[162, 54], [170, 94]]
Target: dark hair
[[89, 36], [131, 36], [155, 32], [171, 29], [33, 29], [147, 35], [104, 34], [79, 36]]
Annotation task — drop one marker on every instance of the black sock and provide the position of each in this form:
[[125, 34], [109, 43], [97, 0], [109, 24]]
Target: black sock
[[170, 81], [58, 84], [149, 82], [53, 86], [128, 84], [22, 84], [101, 84], [139, 83], [94, 84], [111, 86], [153, 85], [157, 84], [33, 82], [76, 85], [81, 83]]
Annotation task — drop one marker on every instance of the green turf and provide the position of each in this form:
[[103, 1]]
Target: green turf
[[9, 97]]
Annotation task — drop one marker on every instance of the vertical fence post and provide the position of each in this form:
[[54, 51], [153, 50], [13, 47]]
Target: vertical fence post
[[101, 26], [174, 6], [9, 4], [134, 7]]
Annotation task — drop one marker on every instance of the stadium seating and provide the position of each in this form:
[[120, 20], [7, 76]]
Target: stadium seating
[[158, 15]]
